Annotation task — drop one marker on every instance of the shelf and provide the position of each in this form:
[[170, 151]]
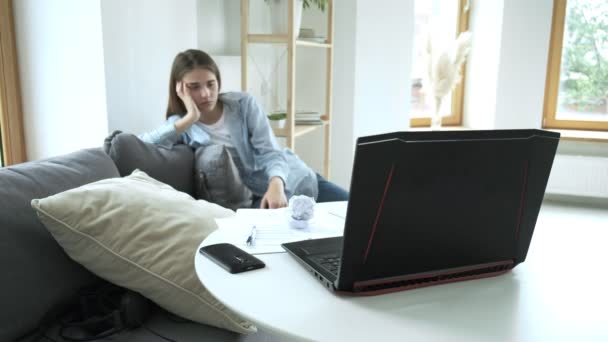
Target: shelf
[[291, 43], [309, 43], [299, 129], [283, 39], [267, 39]]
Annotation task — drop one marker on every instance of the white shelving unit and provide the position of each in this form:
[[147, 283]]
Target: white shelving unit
[[291, 130]]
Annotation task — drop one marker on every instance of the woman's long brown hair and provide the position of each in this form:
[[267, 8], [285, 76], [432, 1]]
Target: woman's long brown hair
[[183, 63]]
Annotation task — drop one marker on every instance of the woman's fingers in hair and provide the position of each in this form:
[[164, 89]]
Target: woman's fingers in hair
[[179, 88]]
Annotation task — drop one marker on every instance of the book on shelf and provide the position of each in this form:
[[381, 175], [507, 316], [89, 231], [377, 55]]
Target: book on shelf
[[307, 114], [309, 122], [308, 118], [304, 117]]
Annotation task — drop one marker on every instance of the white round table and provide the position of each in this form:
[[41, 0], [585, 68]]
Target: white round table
[[558, 294]]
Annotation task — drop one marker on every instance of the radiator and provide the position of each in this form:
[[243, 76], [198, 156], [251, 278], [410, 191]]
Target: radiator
[[579, 176]]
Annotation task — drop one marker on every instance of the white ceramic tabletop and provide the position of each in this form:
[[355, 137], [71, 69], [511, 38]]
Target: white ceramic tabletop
[[558, 294]]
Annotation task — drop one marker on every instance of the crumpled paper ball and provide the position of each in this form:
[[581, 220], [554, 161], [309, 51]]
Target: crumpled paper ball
[[302, 209]]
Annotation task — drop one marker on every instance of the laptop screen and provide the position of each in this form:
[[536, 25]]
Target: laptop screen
[[430, 201]]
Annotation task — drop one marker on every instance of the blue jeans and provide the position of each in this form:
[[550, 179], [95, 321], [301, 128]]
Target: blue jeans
[[328, 192]]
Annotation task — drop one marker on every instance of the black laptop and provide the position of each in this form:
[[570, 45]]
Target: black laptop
[[428, 208]]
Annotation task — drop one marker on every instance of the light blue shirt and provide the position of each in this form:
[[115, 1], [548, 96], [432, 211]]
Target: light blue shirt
[[261, 157]]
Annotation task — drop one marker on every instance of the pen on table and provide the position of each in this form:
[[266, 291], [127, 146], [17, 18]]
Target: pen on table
[[251, 238], [336, 215]]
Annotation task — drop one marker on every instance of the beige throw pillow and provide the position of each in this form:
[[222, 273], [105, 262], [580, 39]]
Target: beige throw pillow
[[141, 234]]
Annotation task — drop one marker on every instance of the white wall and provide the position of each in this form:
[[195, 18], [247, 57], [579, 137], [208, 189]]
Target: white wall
[[211, 16], [219, 26], [485, 21], [343, 133], [526, 33], [383, 66], [219, 34], [140, 39], [372, 66], [60, 52], [505, 85], [506, 70]]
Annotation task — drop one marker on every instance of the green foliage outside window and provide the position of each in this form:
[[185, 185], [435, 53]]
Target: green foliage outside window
[[584, 75]]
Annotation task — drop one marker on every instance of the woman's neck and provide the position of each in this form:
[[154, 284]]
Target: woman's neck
[[214, 115]]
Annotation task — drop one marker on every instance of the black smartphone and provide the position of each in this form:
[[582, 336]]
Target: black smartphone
[[231, 258]]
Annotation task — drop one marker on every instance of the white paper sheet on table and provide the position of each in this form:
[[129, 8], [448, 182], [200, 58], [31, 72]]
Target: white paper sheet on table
[[337, 209], [272, 228]]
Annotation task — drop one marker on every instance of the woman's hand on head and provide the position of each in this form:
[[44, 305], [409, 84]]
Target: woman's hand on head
[[184, 95], [275, 195], [193, 113]]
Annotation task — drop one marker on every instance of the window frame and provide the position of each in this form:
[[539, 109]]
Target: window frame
[[11, 113], [455, 118], [550, 119]]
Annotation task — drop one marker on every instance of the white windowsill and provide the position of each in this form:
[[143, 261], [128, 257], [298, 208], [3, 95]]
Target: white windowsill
[[580, 135], [443, 128], [566, 134]]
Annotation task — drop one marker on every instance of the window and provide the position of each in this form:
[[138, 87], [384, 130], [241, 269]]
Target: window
[[12, 144], [440, 19], [1, 154], [576, 94]]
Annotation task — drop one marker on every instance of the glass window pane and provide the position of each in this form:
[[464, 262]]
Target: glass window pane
[[583, 86], [437, 20]]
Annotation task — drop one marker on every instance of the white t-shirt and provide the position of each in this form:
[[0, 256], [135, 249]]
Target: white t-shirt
[[218, 132]]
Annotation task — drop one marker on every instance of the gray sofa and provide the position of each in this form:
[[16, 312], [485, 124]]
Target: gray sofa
[[37, 275]]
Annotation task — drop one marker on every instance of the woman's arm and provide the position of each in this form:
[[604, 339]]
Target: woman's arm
[[170, 133], [267, 153], [275, 195], [165, 135]]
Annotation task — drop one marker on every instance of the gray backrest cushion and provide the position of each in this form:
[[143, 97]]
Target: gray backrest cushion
[[217, 178], [173, 166], [36, 274]]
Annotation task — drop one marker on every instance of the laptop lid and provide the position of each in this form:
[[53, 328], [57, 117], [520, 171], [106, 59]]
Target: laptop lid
[[423, 202]]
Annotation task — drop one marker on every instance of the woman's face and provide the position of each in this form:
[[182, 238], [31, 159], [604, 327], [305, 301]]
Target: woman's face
[[203, 88]]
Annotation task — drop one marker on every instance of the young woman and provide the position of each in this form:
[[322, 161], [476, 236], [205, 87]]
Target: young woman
[[197, 114]]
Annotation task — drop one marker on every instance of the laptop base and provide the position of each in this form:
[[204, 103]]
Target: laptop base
[[311, 253]]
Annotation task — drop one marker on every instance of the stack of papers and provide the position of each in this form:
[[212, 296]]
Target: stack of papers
[[273, 228]]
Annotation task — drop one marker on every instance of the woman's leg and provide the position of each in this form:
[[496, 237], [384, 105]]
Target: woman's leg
[[256, 202], [330, 192]]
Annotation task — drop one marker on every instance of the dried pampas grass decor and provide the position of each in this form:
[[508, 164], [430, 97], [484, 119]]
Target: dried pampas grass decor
[[444, 71]]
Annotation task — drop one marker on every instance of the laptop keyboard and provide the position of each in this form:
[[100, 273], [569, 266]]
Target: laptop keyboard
[[330, 262]]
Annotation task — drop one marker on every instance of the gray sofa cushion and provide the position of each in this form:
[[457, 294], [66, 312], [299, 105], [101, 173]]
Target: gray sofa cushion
[[173, 166], [36, 273], [217, 178]]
